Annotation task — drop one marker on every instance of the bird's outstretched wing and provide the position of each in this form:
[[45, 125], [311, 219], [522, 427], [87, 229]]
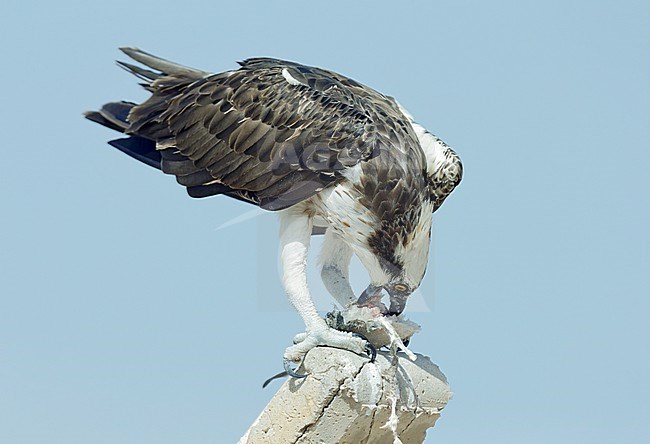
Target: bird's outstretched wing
[[272, 132]]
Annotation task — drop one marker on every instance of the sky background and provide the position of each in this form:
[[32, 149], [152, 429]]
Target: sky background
[[130, 314]]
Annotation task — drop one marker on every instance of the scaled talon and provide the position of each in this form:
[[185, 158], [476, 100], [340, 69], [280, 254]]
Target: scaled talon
[[370, 349], [274, 377], [291, 372]]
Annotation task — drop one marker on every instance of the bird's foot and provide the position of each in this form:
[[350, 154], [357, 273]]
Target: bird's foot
[[305, 340], [326, 336]]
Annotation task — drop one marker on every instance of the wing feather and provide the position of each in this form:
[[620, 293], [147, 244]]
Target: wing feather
[[443, 166], [274, 142], [272, 133]]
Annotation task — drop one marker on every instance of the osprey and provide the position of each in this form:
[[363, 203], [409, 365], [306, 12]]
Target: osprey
[[329, 154]]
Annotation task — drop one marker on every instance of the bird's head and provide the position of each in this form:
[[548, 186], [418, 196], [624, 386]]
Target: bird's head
[[398, 294], [396, 265]]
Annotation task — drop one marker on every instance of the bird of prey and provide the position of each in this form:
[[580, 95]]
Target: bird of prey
[[328, 154]]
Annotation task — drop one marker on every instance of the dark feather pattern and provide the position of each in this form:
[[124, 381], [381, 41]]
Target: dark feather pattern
[[139, 148], [251, 129], [273, 133]]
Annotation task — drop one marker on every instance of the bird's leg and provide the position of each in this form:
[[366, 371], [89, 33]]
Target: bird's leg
[[335, 260], [295, 233]]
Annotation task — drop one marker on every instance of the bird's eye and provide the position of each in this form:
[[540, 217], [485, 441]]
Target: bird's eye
[[400, 287]]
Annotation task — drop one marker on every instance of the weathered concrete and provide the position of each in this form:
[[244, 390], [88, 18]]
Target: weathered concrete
[[347, 399]]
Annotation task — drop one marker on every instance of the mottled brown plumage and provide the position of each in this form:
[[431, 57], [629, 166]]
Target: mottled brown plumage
[[251, 130], [276, 133]]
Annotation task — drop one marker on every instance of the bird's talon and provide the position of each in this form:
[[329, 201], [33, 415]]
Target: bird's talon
[[274, 377], [291, 372], [371, 350]]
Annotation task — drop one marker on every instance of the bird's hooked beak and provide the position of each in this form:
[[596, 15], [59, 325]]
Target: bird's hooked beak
[[372, 296]]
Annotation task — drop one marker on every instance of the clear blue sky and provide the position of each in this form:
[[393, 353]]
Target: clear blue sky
[[126, 316]]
